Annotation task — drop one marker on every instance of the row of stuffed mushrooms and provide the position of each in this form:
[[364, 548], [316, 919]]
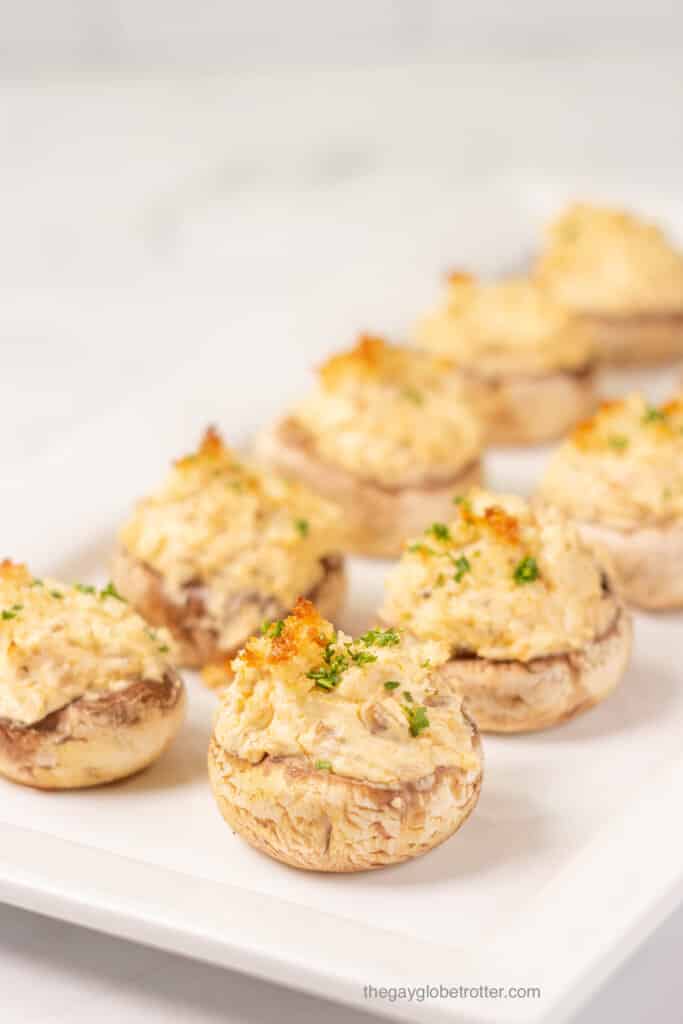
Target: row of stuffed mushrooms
[[501, 615]]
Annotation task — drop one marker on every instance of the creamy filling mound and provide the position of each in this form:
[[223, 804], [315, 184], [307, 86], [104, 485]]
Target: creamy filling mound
[[623, 467], [60, 642], [505, 328], [391, 415], [608, 261], [365, 709], [237, 538], [504, 580]]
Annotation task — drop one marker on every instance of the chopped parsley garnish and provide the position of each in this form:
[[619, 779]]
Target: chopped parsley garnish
[[324, 766], [381, 638], [57, 593], [391, 684], [618, 441], [440, 580], [273, 629], [417, 719], [413, 395], [408, 696], [11, 613], [526, 571], [462, 566], [36, 582], [164, 649], [653, 415], [360, 657], [426, 663], [110, 591], [440, 531], [85, 588], [328, 675], [303, 526]]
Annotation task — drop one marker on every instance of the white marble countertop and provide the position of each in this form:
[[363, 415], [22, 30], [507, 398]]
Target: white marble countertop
[[155, 220]]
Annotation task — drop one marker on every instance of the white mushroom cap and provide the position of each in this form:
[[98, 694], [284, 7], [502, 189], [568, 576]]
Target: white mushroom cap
[[533, 630], [322, 757], [88, 692], [619, 476], [221, 546]]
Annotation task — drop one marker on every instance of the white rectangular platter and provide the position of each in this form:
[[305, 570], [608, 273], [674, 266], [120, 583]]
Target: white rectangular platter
[[573, 855]]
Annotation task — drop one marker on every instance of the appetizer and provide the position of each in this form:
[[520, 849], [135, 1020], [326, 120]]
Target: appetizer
[[335, 754], [620, 478], [622, 277], [526, 363], [534, 631], [88, 693], [220, 547], [388, 435]]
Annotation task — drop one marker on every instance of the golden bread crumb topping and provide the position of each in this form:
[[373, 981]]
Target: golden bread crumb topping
[[505, 327], [608, 261], [505, 579], [623, 467], [366, 709], [60, 642], [246, 540], [391, 415]]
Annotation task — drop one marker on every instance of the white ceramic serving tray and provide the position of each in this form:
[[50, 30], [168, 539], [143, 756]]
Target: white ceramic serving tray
[[573, 855]]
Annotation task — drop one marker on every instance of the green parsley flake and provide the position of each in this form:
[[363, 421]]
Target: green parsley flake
[[11, 613], [273, 629], [57, 593], [303, 526], [408, 696], [417, 719], [440, 531], [360, 657], [35, 582], [413, 395], [653, 415], [85, 588], [618, 441], [391, 684], [110, 591], [440, 580], [381, 638], [526, 571], [328, 675], [324, 766], [462, 566]]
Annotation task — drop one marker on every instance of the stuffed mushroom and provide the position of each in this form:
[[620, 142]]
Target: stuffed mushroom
[[622, 277], [221, 547], [88, 693], [534, 630], [388, 434], [620, 478], [338, 755], [526, 364]]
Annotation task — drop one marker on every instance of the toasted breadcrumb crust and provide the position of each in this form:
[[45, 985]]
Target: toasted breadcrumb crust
[[506, 328], [504, 579], [389, 415], [600, 260], [60, 642], [622, 467], [231, 541]]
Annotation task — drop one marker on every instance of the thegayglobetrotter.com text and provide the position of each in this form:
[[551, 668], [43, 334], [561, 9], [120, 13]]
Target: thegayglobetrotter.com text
[[420, 993]]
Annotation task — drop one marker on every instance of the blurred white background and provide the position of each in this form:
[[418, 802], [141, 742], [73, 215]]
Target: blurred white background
[[227, 190]]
